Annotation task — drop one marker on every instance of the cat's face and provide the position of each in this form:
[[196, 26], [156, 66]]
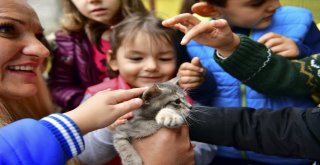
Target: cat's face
[[165, 95]]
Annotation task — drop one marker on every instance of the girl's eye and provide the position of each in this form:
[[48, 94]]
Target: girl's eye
[[135, 58], [166, 59]]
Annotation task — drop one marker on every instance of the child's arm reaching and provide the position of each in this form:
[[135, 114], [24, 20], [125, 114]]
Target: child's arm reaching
[[214, 33], [280, 45]]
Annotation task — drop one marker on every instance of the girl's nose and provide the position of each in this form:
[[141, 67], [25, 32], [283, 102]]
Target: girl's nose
[[151, 65], [35, 47]]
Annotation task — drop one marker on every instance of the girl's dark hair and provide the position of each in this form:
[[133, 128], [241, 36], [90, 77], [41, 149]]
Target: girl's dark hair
[[74, 21], [139, 23]]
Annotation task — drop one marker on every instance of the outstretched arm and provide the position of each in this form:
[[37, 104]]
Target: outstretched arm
[[285, 132]]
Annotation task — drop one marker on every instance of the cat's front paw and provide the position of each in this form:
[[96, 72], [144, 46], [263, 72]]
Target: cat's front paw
[[169, 118]]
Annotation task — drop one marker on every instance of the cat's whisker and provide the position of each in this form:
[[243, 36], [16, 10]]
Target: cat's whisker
[[193, 119]]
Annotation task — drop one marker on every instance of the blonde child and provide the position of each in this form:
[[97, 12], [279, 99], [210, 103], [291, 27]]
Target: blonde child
[[79, 58], [143, 54]]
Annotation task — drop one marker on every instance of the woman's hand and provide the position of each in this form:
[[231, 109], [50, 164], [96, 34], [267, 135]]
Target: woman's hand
[[105, 107]]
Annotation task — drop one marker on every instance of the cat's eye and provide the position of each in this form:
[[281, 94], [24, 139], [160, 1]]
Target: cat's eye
[[178, 101]]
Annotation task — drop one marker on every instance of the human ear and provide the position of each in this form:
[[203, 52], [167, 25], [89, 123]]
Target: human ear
[[112, 61], [205, 9]]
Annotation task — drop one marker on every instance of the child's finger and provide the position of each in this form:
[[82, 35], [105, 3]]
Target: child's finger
[[273, 42], [186, 80], [263, 39], [180, 27], [196, 61], [207, 27], [191, 67], [189, 73], [185, 19], [194, 32]]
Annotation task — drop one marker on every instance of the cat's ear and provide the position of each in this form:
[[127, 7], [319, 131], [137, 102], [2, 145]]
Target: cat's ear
[[150, 93], [174, 80]]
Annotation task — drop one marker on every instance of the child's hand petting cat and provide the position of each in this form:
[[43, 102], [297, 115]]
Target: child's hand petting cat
[[280, 45], [213, 33], [191, 74]]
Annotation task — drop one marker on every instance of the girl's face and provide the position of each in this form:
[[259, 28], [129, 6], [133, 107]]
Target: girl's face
[[102, 11], [21, 52], [144, 61], [255, 14]]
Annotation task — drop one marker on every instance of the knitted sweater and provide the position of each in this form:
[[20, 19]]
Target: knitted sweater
[[256, 66]]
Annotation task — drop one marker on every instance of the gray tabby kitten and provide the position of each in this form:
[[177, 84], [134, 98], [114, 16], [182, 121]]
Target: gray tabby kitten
[[165, 105]]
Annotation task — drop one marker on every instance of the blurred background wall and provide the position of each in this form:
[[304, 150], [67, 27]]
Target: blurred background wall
[[49, 10], [169, 8], [313, 5]]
